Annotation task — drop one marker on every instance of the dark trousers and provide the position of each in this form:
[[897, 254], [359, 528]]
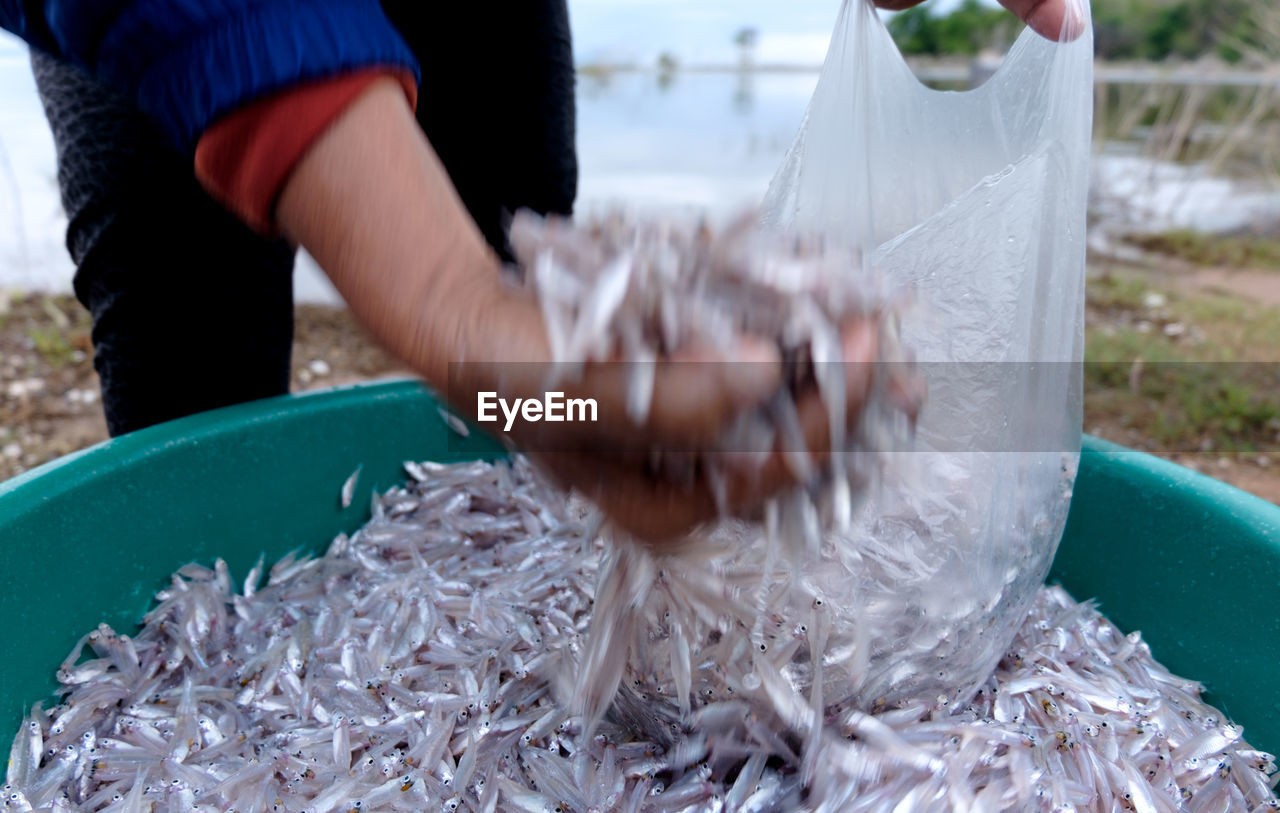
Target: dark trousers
[[192, 310]]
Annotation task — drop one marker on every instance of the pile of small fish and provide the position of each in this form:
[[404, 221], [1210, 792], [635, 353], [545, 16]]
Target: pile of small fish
[[422, 664]]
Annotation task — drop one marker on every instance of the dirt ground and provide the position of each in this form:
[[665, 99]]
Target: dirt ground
[[1221, 313], [49, 402]]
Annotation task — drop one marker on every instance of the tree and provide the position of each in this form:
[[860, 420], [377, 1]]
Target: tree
[[667, 67], [968, 29], [1123, 29], [746, 39]]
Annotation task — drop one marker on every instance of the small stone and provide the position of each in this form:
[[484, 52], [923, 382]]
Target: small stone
[[319, 368], [1153, 299], [79, 396], [304, 376], [12, 451], [24, 387], [1144, 326], [1263, 461], [1224, 462], [1174, 329]]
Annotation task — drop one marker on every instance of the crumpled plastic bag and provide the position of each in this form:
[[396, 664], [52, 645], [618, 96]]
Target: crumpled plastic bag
[[976, 202], [973, 202]]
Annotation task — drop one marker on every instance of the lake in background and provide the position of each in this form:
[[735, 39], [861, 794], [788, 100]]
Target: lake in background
[[705, 141]]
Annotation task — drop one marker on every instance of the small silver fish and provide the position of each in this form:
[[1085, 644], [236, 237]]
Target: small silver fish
[[348, 492], [410, 668]]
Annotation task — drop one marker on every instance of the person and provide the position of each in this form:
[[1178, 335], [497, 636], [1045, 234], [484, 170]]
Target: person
[[199, 144]]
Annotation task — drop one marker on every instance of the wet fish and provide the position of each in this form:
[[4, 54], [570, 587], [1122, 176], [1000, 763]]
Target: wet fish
[[410, 669], [348, 491]]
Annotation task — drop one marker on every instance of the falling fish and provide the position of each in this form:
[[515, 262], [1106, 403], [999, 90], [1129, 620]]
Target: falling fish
[[348, 492], [455, 424]]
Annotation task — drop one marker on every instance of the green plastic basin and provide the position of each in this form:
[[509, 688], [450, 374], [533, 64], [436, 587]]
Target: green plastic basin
[[1190, 561]]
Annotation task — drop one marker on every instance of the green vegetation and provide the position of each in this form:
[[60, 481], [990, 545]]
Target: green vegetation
[[746, 38], [53, 334], [1232, 251], [1187, 29], [50, 341], [1124, 29], [1210, 382], [969, 28], [1117, 292]]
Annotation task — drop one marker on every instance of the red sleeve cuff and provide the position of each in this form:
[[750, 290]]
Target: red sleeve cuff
[[245, 159]]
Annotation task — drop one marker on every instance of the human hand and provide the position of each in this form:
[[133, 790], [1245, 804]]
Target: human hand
[[650, 476], [1052, 19]]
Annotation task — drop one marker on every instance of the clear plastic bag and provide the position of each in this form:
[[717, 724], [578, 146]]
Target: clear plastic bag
[[976, 202]]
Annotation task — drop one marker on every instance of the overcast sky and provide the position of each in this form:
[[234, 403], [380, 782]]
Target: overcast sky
[[793, 31]]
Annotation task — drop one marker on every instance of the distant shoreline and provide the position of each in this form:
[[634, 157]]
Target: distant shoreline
[[961, 70]]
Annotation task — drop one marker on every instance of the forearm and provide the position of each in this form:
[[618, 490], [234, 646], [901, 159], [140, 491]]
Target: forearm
[[374, 206]]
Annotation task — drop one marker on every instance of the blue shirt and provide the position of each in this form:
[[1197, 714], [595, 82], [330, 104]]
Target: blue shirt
[[187, 62]]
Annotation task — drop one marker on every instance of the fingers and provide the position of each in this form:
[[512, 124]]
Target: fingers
[[1052, 19], [653, 480], [661, 506], [699, 392], [798, 454]]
